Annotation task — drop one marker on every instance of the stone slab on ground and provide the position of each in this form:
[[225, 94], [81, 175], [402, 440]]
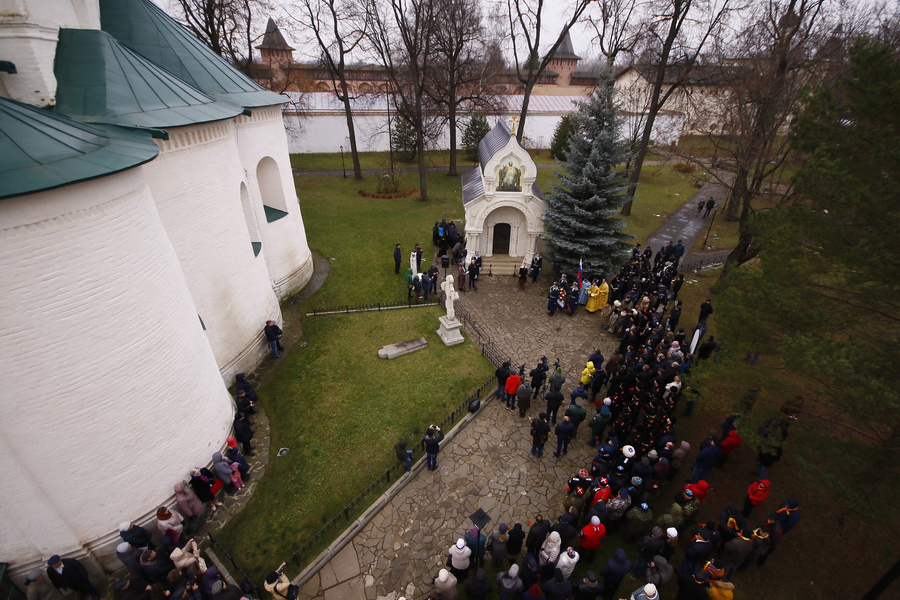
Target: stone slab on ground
[[400, 348]]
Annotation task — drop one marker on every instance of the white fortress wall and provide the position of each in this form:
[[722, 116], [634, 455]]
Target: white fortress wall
[[112, 390], [326, 132], [262, 146], [196, 184]]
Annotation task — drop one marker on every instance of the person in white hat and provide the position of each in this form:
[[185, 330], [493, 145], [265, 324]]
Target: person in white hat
[[460, 559], [445, 583], [646, 592]]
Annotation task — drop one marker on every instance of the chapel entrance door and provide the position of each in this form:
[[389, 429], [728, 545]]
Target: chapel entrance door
[[501, 238]]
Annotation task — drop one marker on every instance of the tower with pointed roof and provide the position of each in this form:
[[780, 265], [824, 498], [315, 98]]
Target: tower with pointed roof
[[275, 52], [564, 61]]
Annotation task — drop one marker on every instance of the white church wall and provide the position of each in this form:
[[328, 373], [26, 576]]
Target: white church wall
[[28, 35], [196, 183], [261, 137], [112, 392]]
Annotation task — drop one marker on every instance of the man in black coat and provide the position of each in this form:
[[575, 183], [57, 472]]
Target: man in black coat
[[69, 574], [537, 534], [397, 258], [273, 337], [706, 309], [243, 433]]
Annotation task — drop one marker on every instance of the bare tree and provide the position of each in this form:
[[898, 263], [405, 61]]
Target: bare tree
[[525, 25], [783, 48], [675, 52], [225, 26], [339, 27], [617, 28], [463, 71], [403, 41]]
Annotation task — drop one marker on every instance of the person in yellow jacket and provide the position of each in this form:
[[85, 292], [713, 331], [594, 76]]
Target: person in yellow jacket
[[593, 303], [720, 590], [587, 374]]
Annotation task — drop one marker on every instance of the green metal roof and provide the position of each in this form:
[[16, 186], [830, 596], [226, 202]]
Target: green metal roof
[[42, 150], [101, 81], [144, 28]]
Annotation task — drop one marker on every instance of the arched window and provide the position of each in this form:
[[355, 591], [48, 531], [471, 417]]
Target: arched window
[[268, 177], [250, 218]]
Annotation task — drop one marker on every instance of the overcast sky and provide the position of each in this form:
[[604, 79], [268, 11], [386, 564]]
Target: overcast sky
[[555, 12]]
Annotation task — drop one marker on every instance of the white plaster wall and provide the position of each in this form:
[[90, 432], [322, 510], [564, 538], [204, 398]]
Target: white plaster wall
[[322, 132], [111, 391], [284, 246], [327, 132], [28, 35], [196, 184]]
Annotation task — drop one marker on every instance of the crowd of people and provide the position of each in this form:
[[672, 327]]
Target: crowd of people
[[169, 558], [634, 396]]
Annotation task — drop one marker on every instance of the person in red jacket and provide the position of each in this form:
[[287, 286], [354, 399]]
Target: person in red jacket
[[699, 489], [512, 386], [590, 537], [729, 444], [756, 495]]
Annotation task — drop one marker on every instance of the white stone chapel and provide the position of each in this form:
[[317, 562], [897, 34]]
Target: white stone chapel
[[504, 207]]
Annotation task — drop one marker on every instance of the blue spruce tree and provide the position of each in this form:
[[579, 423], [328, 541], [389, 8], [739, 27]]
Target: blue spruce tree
[[582, 219]]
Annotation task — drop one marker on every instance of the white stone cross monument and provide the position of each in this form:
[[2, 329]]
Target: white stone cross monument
[[412, 263], [449, 331]]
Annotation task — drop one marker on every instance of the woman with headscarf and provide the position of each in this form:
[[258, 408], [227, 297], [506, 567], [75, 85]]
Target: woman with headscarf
[[460, 559], [201, 482], [169, 523], [222, 469], [188, 502], [550, 550], [523, 275], [461, 270], [497, 544]]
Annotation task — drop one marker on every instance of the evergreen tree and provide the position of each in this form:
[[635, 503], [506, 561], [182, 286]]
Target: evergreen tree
[[476, 130], [560, 143], [403, 139], [582, 220]]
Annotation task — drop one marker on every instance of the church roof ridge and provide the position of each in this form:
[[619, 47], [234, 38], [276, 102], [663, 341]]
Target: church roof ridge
[[147, 30], [43, 150], [495, 139], [101, 81]]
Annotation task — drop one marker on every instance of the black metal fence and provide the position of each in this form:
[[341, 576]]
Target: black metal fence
[[696, 265], [371, 307]]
